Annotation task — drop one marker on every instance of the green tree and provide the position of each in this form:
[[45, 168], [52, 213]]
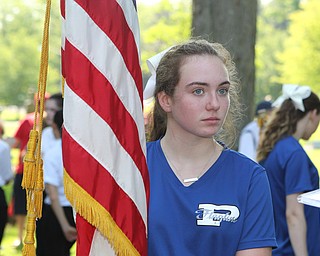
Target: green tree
[[272, 31], [300, 58], [21, 26], [225, 22], [162, 25]]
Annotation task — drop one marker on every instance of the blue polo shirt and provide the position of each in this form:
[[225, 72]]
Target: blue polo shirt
[[291, 171], [228, 209]]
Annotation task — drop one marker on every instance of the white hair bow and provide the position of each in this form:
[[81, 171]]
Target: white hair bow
[[153, 63], [294, 92]]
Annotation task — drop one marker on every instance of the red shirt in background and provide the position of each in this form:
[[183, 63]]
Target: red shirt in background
[[22, 135]]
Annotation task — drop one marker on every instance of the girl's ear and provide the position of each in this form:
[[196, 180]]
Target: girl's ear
[[313, 114], [164, 101]]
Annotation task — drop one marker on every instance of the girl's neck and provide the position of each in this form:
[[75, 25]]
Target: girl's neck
[[189, 160], [183, 146], [301, 127]]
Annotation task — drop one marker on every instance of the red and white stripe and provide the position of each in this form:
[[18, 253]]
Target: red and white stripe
[[104, 139]]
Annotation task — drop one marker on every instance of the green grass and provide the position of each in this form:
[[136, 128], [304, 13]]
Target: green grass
[[10, 235], [11, 232], [12, 114], [10, 128]]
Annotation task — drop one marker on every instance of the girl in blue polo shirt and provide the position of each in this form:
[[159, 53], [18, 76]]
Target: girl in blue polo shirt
[[291, 171], [205, 199]]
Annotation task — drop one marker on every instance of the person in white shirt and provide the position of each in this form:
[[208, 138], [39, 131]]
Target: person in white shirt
[[56, 229], [250, 134], [49, 140], [6, 175], [52, 105]]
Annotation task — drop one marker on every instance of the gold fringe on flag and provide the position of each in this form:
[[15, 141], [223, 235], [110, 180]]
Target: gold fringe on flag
[[98, 216], [33, 166]]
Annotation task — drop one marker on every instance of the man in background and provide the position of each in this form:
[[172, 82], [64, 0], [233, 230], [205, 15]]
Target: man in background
[[250, 134]]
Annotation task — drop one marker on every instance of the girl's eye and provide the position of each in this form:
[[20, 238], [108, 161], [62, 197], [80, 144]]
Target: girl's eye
[[198, 91], [223, 91]]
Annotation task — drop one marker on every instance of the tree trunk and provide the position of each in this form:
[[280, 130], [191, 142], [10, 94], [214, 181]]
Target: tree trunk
[[232, 23]]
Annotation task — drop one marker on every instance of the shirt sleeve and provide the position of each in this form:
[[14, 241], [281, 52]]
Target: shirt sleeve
[[297, 176], [258, 229]]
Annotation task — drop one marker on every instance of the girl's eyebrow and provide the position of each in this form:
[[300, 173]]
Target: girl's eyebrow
[[206, 84]]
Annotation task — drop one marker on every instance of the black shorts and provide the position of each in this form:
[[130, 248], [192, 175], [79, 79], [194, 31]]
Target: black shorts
[[19, 196], [50, 237]]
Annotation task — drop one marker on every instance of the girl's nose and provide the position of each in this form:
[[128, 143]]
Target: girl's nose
[[212, 102]]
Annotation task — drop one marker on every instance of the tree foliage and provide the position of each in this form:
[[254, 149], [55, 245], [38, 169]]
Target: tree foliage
[[300, 58], [21, 26], [162, 25], [286, 49], [272, 31]]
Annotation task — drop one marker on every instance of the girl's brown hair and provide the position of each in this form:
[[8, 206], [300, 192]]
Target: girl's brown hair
[[168, 76], [283, 122]]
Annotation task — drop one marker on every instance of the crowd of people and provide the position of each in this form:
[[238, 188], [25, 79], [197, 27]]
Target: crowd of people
[[55, 232], [205, 197]]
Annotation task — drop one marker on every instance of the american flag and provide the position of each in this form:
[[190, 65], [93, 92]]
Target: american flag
[[104, 148]]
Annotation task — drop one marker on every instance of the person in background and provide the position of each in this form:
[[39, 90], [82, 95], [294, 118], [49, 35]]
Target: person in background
[[290, 170], [52, 105], [56, 228], [6, 175], [205, 199], [250, 134], [49, 140], [20, 140]]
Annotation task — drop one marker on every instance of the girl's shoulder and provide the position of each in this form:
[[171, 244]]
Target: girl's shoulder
[[288, 146], [238, 161]]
